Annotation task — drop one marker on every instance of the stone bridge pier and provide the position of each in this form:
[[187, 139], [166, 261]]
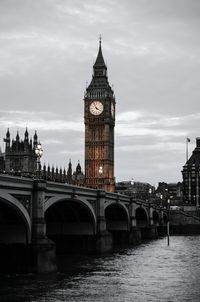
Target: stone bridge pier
[[43, 250]]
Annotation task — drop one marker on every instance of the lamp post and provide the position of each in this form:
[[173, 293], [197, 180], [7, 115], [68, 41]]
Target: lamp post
[[131, 190], [132, 181], [161, 200], [168, 211], [100, 177], [38, 152]]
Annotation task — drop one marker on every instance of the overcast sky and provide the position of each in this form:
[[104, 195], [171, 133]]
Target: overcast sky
[[152, 51]]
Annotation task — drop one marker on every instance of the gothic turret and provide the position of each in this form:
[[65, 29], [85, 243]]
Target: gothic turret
[[35, 140], [7, 139], [69, 172], [26, 135], [78, 168], [17, 137], [78, 176], [8, 134]]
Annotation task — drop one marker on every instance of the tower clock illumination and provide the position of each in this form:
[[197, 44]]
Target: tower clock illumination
[[96, 108], [99, 118]]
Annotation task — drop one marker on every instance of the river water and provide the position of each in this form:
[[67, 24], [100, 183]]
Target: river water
[[149, 272]]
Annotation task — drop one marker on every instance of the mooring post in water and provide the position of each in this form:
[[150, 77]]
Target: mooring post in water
[[168, 209]]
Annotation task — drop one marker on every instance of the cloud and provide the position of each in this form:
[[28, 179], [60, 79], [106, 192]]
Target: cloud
[[73, 152], [159, 146], [158, 125], [52, 142], [41, 121], [46, 54]]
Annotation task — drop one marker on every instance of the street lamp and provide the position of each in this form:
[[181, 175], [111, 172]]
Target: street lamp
[[131, 189], [100, 176], [38, 152], [161, 200]]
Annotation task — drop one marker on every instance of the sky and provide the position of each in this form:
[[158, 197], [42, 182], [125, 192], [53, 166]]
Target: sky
[[152, 51]]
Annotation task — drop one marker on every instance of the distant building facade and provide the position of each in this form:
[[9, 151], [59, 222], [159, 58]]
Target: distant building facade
[[136, 189], [169, 191], [191, 177]]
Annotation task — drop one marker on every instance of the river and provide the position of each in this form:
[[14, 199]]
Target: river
[[149, 272]]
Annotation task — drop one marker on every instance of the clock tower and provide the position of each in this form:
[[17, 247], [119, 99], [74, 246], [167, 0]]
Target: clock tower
[[99, 118]]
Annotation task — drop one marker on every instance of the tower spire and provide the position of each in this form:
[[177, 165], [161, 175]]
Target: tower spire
[[99, 60], [26, 135]]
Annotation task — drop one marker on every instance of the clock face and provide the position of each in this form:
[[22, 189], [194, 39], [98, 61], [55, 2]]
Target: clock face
[[112, 110], [96, 108]]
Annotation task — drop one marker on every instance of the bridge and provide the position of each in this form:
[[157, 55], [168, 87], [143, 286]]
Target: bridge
[[40, 218]]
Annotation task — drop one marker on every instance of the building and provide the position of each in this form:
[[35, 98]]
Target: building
[[2, 160], [99, 119], [78, 177], [19, 156], [191, 174], [140, 190], [169, 191]]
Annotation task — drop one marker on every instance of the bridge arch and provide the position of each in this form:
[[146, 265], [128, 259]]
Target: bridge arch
[[165, 218], [156, 218], [55, 199], [117, 217], [71, 223], [142, 217], [15, 221]]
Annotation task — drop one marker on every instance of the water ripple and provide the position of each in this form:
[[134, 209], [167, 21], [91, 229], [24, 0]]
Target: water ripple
[[151, 272]]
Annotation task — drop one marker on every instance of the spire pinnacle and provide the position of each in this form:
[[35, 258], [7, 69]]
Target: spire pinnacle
[[99, 60], [8, 133], [17, 136], [26, 133]]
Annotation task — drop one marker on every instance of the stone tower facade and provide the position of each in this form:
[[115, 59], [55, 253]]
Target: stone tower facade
[[99, 118]]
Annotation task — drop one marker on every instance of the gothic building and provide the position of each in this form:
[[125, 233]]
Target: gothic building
[[19, 156], [99, 118], [191, 177], [77, 177]]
